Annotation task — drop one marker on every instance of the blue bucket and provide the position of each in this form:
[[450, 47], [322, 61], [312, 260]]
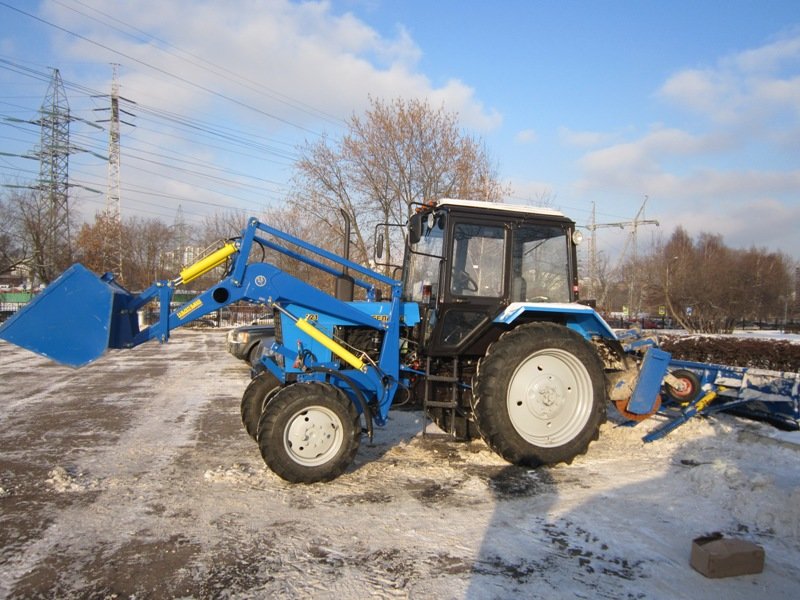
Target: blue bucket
[[75, 319]]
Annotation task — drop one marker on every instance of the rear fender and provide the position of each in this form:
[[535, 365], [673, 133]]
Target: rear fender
[[578, 317]]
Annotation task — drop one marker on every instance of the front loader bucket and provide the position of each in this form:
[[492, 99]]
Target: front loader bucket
[[75, 319]]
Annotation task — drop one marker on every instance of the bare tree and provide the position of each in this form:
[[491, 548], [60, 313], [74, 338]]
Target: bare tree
[[220, 226], [94, 241], [708, 287], [765, 285], [146, 242], [49, 252], [13, 251], [399, 153]]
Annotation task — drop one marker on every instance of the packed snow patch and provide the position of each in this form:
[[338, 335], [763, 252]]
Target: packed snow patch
[[149, 487]]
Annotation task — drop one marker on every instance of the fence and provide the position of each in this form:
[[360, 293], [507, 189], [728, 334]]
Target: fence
[[230, 316]]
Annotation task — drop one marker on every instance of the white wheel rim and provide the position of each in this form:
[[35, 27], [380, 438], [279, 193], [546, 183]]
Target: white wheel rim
[[549, 398], [313, 436]]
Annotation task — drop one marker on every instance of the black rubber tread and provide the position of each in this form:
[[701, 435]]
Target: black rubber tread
[[254, 398], [492, 380], [690, 394], [283, 406], [253, 354]]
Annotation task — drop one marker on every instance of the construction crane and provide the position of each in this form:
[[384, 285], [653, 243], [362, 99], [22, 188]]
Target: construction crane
[[594, 226]]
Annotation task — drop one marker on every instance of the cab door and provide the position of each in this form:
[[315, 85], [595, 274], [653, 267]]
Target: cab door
[[475, 286]]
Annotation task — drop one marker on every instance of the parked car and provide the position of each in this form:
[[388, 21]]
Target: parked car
[[244, 342]]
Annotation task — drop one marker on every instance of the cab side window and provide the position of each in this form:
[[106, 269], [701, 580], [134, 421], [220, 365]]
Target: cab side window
[[478, 257]]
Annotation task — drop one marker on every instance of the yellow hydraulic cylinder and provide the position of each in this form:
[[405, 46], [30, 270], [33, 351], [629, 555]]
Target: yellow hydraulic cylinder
[[204, 265], [332, 345]]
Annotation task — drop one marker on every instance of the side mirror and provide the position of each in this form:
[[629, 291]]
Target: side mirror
[[415, 228], [379, 241]]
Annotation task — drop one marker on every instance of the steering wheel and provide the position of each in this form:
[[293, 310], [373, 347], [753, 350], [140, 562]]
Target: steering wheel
[[463, 282]]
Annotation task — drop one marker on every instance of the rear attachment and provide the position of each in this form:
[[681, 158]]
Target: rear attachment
[[690, 389]]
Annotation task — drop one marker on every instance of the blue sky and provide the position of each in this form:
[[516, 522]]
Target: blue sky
[[694, 105]]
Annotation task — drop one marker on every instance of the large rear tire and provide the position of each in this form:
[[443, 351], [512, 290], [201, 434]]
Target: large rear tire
[[539, 395], [309, 433], [256, 396]]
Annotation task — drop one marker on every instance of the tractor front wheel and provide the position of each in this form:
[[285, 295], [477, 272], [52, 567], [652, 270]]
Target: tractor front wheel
[[309, 433], [539, 395], [256, 395]]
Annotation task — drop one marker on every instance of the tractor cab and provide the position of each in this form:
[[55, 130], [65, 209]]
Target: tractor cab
[[467, 261]]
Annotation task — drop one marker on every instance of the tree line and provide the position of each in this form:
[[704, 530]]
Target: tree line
[[395, 155]]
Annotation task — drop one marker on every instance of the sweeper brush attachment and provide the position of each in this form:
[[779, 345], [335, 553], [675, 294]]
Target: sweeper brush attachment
[[75, 319]]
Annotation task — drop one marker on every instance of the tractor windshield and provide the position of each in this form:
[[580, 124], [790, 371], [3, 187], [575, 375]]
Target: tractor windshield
[[423, 261]]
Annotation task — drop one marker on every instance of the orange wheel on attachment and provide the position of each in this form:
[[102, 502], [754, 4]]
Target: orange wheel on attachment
[[622, 407]]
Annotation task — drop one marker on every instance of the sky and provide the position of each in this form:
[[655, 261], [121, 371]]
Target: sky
[[683, 112]]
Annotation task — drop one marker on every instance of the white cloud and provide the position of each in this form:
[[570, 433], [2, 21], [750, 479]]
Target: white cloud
[[640, 160], [275, 55], [584, 139], [735, 170], [702, 91], [764, 222], [526, 136], [742, 87], [531, 192], [770, 56], [268, 74]]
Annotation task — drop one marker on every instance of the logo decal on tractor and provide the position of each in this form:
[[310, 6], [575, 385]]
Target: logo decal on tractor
[[260, 281], [191, 307]]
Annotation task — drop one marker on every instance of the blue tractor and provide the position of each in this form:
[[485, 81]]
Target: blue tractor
[[483, 329]]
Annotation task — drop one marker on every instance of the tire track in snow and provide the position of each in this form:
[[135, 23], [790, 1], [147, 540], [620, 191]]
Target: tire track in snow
[[167, 394]]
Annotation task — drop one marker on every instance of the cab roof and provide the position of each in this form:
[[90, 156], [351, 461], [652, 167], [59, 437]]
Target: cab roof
[[499, 206]]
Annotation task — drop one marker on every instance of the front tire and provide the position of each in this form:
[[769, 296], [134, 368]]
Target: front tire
[[539, 395], [310, 433], [256, 396]]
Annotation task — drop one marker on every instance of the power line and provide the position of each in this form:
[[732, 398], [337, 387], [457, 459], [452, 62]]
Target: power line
[[219, 70], [163, 71], [226, 135]]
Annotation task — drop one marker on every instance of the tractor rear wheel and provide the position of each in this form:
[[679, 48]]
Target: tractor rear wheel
[[539, 395], [255, 397], [309, 433]]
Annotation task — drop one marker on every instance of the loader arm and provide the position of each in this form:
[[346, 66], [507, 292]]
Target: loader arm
[[259, 283], [80, 315]]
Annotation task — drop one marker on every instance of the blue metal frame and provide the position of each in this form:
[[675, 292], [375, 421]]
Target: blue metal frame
[[104, 315], [721, 388]]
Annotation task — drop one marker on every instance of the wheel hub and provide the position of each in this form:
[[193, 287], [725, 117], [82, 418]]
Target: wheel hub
[[549, 398], [545, 397], [311, 434]]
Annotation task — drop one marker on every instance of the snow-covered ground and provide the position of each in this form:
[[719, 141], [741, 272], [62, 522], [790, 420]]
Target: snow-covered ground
[[133, 477]]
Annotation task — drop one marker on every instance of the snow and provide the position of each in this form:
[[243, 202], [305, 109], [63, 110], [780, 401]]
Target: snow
[[133, 477]]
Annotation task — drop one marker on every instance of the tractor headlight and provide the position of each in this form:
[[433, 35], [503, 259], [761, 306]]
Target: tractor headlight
[[577, 237]]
